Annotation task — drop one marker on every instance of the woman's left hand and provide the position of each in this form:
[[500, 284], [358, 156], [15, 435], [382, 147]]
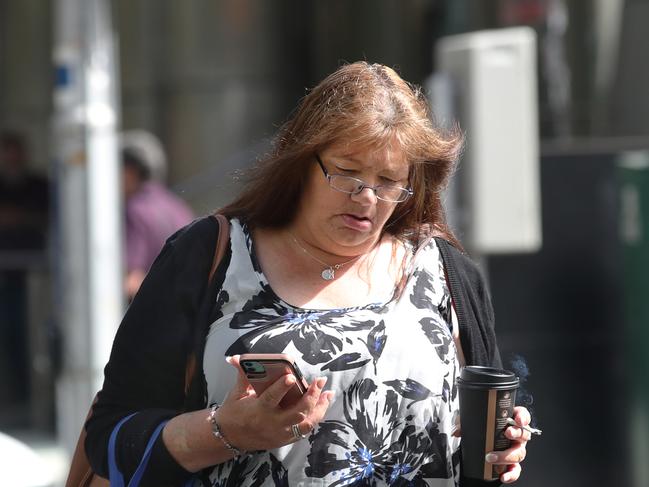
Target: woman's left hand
[[511, 458]]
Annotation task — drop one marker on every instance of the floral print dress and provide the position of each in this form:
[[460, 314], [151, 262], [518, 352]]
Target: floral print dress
[[392, 365]]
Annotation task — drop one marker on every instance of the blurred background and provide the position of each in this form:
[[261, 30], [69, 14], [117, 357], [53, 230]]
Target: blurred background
[[551, 195]]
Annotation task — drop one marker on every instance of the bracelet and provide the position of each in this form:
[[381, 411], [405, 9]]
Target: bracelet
[[216, 431]]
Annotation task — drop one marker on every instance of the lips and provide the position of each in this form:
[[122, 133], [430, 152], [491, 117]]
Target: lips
[[357, 222]]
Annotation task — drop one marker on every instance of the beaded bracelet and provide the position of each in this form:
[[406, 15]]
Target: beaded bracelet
[[216, 431]]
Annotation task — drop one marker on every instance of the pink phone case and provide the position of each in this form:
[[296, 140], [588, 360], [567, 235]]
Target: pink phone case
[[263, 369]]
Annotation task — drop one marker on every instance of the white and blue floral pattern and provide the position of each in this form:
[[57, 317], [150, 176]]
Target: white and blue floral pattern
[[392, 365]]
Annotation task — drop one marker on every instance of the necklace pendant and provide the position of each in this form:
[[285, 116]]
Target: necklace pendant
[[328, 274]]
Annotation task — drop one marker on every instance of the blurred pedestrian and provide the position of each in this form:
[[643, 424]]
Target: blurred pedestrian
[[24, 197], [152, 212], [23, 236]]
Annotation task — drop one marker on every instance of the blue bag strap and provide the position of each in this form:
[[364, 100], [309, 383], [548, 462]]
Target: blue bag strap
[[116, 477], [137, 476]]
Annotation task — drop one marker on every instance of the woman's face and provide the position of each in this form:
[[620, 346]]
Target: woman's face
[[346, 224]]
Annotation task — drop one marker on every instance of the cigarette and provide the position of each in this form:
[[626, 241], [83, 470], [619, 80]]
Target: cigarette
[[529, 429]]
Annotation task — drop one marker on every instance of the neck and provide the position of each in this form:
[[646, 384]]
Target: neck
[[327, 262], [329, 268]]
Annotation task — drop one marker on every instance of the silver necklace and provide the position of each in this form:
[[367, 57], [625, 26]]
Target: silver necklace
[[329, 272]]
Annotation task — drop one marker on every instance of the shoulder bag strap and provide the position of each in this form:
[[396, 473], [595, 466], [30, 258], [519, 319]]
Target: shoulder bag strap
[[222, 242]]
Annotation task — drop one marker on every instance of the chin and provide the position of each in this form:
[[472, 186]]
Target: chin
[[357, 239]]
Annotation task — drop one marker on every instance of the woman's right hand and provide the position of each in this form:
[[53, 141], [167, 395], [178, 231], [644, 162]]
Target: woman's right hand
[[252, 422]]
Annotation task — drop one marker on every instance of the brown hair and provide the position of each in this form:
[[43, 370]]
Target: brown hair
[[362, 105]]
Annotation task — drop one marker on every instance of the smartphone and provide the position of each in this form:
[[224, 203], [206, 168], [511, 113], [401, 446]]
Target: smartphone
[[263, 369]]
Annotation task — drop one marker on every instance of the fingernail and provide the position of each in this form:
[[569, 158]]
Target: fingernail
[[290, 380], [491, 457], [320, 382], [228, 359], [330, 395]]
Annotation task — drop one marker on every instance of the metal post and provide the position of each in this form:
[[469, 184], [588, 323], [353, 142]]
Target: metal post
[[104, 188], [87, 256]]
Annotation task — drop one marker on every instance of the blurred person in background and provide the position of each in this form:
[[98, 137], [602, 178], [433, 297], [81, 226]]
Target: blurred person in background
[[152, 212], [24, 198], [338, 256], [24, 202]]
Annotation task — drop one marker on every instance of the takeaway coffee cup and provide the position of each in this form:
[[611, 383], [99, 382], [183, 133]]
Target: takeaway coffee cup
[[487, 397]]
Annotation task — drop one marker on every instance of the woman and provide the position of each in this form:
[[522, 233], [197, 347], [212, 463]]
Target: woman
[[332, 261]]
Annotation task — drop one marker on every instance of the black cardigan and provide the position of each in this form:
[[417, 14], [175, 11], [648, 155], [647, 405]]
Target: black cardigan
[[167, 322]]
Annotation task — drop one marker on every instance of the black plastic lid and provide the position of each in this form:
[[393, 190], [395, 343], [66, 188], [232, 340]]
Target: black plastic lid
[[487, 378]]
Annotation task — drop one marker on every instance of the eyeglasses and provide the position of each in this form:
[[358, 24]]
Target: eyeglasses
[[351, 185]]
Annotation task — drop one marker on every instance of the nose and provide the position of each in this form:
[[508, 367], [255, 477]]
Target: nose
[[366, 196]]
